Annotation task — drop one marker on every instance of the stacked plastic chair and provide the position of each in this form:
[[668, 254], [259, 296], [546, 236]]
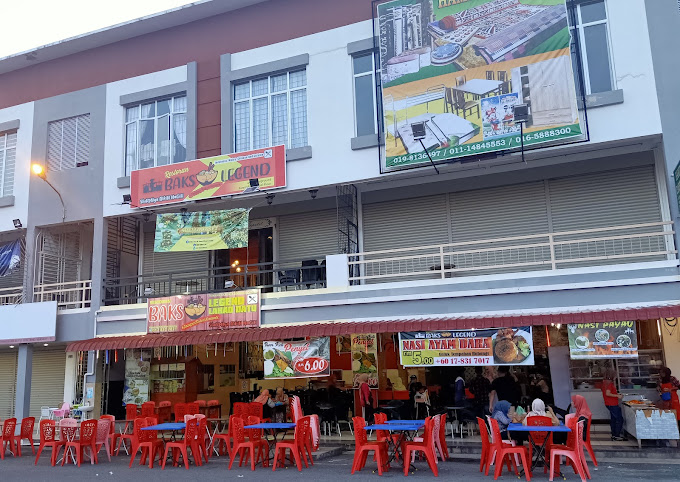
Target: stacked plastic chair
[[362, 447]]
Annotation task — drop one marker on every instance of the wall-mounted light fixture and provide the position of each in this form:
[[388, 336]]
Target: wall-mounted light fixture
[[17, 223], [127, 199], [313, 193], [270, 198], [39, 171]]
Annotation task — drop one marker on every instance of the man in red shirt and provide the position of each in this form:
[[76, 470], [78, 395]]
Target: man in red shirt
[[611, 401]]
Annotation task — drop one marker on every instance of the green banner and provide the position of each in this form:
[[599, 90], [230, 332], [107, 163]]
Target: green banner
[[201, 231]]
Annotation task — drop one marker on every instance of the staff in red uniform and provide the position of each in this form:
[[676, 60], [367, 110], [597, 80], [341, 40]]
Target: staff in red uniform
[[668, 388]]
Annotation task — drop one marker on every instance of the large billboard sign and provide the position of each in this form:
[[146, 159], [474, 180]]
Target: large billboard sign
[[461, 66], [226, 175], [614, 339]]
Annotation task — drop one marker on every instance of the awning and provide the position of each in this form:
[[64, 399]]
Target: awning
[[346, 327]]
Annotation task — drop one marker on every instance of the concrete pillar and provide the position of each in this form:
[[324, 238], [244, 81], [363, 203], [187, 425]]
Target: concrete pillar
[[22, 407], [70, 376], [99, 235], [29, 264]]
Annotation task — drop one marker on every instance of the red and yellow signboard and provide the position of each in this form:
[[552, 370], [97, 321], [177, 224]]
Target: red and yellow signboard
[[205, 312], [210, 177]]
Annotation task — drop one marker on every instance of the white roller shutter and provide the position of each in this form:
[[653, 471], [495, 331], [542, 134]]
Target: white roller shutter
[[404, 224], [194, 263], [501, 212], [310, 235], [613, 198], [8, 380], [47, 380]]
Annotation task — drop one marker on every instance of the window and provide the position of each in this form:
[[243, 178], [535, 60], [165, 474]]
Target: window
[[364, 94], [593, 36], [155, 133], [8, 154], [68, 144], [271, 111]]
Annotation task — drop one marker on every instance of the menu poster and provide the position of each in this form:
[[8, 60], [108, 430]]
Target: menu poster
[[299, 359], [137, 374], [613, 339], [495, 346], [365, 358]]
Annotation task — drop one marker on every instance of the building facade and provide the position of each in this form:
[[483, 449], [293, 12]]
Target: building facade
[[570, 233]]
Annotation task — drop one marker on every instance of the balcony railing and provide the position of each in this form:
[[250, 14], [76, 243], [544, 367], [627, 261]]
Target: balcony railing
[[275, 276], [11, 296], [551, 251], [68, 295]]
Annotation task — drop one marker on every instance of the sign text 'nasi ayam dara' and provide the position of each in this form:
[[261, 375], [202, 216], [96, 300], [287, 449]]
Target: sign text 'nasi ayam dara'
[[225, 175], [204, 312]]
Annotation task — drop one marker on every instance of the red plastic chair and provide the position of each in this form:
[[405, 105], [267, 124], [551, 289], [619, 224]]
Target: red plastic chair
[[164, 411], [26, 433], [241, 445], [224, 439], [297, 446], [426, 446], [202, 436], [180, 411], [7, 437], [87, 439], [573, 451], [182, 447], [202, 407], [103, 438], [113, 436], [442, 438], [539, 437], [214, 409], [149, 410], [255, 436], [586, 443], [147, 441], [384, 435], [241, 409], [362, 448], [48, 438], [484, 463], [504, 452], [130, 411], [193, 408]]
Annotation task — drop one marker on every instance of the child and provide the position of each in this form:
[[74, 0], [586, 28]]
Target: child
[[422, 402]]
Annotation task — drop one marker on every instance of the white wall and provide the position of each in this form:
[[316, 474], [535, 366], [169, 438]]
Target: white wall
[[22, 169], [114, 155]]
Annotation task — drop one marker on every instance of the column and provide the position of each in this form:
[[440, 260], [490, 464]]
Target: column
[[22, 406]]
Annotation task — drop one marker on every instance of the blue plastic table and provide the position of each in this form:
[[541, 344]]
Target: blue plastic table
[[167, 426], [538, 451], [279, 426], [406, 422]]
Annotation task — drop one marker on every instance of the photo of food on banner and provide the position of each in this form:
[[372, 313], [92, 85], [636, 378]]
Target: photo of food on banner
[[300, 359]]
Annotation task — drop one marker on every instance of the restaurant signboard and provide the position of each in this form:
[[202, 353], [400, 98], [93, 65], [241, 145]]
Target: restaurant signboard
[[613, 339], [297, 359], [212, 177], [504, 346], [365, 358], [204, 312]]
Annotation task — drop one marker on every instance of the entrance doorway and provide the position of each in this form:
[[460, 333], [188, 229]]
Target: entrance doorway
[[246, 267]]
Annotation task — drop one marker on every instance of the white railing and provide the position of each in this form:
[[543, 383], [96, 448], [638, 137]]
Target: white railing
[[11, 296], [550, 251], [68, 295]]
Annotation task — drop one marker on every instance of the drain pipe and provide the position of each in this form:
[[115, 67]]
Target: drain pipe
[[91, 371]]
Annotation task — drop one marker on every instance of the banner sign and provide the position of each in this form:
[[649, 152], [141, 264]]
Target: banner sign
[[201, 231], [452, 71], [299, 359], [614, 339], [10, 257], [137, 376], [206, 312], [504, 346], [218, 176], [365, 358]]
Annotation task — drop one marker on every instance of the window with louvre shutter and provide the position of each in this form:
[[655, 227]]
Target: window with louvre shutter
[[8, 152], [68, 143]]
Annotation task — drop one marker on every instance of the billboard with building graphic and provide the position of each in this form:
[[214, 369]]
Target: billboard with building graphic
[[461, 66]]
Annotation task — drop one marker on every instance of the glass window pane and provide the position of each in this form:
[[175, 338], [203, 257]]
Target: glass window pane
[[132, 113], [242, 91], [599, 69], [298, 79], [593, 11], [364, 107], [279, 119], [148, 110], [260, 87], [260, 122], [163, 139], [279, 82], [179, 138], [242, 126], [130, 148], [146, 144], [180, 104], [363, 63], [163, 107], [298, 117]]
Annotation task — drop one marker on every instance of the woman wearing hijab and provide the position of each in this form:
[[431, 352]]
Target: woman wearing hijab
[[501, 413], [281, 403], [366, 397], [266, 401], [668, 387], [538, 410]]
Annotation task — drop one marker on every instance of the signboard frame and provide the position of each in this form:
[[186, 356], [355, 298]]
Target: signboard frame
[[591, 341], [297, 364]]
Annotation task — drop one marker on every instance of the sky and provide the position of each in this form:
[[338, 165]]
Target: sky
[[28, 24]]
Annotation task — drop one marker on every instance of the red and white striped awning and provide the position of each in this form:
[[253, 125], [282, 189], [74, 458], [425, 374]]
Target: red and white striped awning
[[345, 327]]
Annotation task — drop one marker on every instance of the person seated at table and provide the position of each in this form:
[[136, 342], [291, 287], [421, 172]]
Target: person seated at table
[[501, 413], [422, 401], [538, 410], [279, 405], [265, 399]]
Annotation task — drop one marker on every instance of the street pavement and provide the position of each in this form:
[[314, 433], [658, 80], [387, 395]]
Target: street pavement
[[337, 467]]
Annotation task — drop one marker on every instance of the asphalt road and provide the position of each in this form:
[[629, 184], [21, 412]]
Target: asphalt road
[[337, 467]]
